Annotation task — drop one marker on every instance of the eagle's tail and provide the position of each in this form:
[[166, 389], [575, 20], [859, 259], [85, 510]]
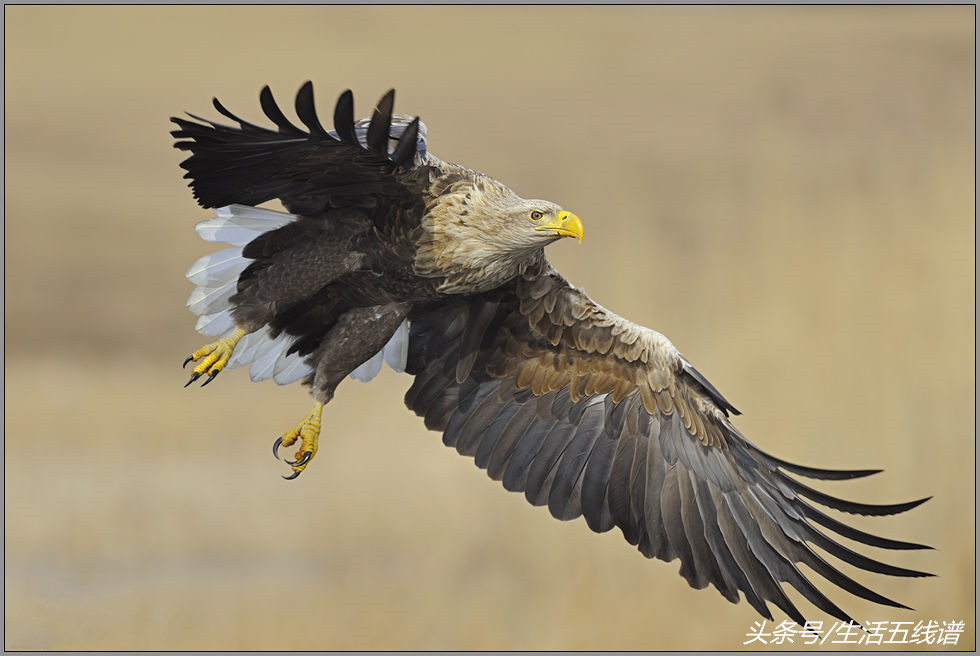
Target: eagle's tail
[[216, 276]]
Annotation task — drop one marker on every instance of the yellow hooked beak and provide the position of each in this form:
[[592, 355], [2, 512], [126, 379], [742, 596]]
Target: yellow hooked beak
[[564, 224]]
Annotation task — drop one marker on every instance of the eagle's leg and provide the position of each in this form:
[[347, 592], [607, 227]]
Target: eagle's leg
[[358, 335], [216, 356], [308, 432]]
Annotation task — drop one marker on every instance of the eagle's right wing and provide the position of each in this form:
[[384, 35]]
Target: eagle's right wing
[[593, 415]]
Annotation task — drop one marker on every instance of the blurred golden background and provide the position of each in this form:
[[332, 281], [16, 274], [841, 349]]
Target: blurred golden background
[[785, 192]]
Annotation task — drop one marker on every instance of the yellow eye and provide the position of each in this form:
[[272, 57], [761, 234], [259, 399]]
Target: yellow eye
[[536, 215]]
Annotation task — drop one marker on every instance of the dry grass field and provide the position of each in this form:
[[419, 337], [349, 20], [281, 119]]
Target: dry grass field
[[786, 192]]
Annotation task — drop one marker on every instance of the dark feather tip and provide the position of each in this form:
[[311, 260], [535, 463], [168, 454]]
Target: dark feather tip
[[343, 118], [222, 110], [377, 136], [306, 110], [272, 111], [407, 144]]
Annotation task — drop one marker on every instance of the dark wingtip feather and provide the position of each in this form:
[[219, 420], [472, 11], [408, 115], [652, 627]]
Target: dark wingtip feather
[[243, 125], [227, 114], [221, 109], [921, 501], [822, 474], [377, 136], [855, 534], [184, 128], [406, 148], [858, 559], [343, 118], [851, 506], [306, 110], [271, 109], [845, 582]]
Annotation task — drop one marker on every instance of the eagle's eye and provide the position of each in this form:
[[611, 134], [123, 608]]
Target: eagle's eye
[[536, 215]]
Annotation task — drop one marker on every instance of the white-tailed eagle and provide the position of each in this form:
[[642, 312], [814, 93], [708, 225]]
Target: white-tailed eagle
[[390, 254]]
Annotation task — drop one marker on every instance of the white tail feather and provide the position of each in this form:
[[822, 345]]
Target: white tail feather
[[268, 359], [244, 352], [240, 224], [216, 274], [217, 268], [290, 368], [264, 362], [218, 323], [208, 300], [272, 361], [395, 353], [396, 350], [369, 368], [216, 277]]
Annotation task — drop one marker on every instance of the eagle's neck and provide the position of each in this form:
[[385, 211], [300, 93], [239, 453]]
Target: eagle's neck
[[465, 239]]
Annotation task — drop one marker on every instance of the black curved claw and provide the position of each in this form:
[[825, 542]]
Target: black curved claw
[[293, 475], [211, 377], [302, 461], [194, 376], [189, 358], [275, 447]]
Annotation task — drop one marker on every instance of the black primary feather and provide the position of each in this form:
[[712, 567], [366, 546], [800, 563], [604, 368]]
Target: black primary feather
[[271, 109], [306, 110], [407, 144], [343, 118], [309, 172], [377, 136]]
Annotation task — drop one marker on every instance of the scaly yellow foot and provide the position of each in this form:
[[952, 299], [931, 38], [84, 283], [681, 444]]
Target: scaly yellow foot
[[308, 432], [218, 353]]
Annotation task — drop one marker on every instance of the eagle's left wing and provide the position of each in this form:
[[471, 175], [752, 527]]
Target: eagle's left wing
[[310, 170], [592, 415]]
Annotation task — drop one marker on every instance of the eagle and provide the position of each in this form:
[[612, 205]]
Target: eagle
[[388, 254]]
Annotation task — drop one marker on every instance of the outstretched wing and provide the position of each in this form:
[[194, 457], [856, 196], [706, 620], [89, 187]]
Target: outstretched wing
[[592, 415], [308, 170]]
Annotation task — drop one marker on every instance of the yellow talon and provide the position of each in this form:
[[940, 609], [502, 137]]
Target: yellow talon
[[216, 356], [308, 432]]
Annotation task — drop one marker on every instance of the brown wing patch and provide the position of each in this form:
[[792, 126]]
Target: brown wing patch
[[594, 351]]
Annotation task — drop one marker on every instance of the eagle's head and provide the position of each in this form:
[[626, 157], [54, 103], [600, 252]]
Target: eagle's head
[[537, 221], [478, 234]]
